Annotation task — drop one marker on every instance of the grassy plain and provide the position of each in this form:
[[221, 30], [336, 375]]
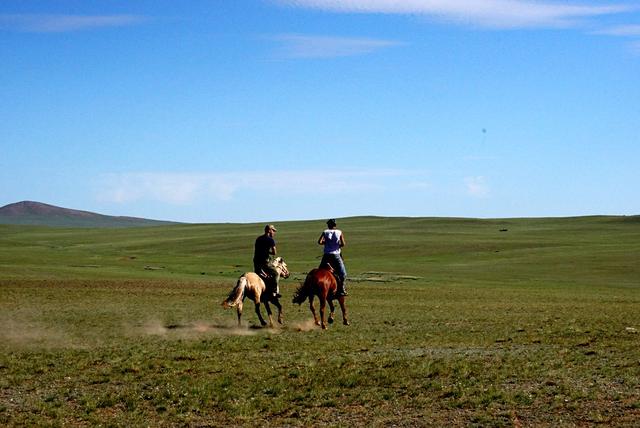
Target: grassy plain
[[455, 322]]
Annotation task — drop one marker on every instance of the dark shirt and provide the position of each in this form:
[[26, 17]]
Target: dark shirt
[[263, 247]]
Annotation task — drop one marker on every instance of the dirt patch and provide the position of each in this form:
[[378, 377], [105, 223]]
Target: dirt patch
[[383, 277]]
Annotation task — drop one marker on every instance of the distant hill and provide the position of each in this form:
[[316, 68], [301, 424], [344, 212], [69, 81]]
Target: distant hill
[[37, 213]]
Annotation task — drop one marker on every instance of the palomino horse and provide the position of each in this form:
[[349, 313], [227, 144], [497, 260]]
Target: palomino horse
[[321, 282], [252, 286]]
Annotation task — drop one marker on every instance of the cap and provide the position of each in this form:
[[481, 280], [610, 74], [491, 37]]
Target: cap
[[270, 227]]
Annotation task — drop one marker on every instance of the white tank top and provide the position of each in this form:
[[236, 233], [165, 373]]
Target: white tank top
[[332, 241]]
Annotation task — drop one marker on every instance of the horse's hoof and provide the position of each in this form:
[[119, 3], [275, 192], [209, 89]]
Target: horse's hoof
[[345, 322], [263, 324], [324, 327]]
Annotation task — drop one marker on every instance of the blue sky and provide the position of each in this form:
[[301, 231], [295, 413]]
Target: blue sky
[[268, 110]]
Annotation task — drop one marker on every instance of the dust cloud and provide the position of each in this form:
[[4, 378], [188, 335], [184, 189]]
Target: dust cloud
[[305, 325], [29, 333], [192, 329]]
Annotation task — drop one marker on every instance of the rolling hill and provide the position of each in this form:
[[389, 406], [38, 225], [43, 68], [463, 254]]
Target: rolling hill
[[40, 214], [454, 322]]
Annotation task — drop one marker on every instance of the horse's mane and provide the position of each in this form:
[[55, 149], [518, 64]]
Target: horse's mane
[[276, 262], [280, 265]]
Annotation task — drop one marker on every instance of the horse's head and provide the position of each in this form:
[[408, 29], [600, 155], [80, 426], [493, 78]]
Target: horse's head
[[280, 265]]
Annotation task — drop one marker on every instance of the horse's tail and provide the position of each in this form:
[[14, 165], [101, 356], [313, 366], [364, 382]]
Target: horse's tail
[[299, 295], [303, 290], [235, 296]]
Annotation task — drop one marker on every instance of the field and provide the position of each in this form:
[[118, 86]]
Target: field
[[454, 322]]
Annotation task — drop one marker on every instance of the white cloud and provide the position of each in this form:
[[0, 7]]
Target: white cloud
[[301, 46], [171, 188], [477, 187], [187, 188], [420, 185], [487, 13], [65, 23], [621, 30], [629, 31]]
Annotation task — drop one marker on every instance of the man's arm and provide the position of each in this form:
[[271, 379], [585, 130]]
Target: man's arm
[[342, 241], [321, 239], [273, 250]]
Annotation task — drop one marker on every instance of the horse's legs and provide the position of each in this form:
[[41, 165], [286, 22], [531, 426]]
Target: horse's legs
[[262, 321], [323, 302], [277, 304], [343, 307], [332, 310], [239, 309], [268, 308], [313, 310]]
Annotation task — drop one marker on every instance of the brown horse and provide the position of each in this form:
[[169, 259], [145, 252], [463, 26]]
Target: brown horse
[[321, 282], [252, 286]]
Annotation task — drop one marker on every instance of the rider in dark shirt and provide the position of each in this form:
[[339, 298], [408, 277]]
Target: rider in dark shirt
[[265, 248]]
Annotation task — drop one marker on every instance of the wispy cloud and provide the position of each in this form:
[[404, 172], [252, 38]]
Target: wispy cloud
[[186, 188], [65, 23], [621, 31], [626, 31], [304, 46], [476, 187], [486, 13]]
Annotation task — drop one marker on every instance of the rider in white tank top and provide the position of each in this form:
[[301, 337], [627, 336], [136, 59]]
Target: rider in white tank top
[[332, 241]]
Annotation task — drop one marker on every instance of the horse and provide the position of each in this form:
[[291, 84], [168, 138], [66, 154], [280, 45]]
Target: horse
[[251, 285], [320, 282]]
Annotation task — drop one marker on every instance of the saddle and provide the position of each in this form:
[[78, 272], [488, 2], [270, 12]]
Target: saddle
[[340, 291], [269, 281], [329, 268], [262, 274]]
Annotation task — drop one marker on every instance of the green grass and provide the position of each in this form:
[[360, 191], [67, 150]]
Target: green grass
[[454, 323]]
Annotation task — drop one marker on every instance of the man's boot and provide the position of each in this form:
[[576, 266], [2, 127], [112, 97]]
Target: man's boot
[[341, 289], [272, 288]]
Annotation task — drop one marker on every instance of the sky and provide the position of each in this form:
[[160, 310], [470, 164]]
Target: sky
[[238, 111]]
